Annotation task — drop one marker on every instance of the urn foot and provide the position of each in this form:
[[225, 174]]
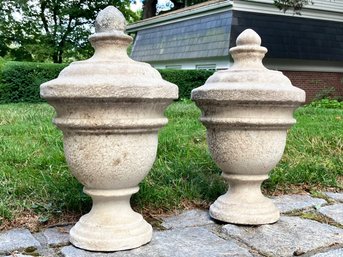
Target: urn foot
[[244, 203], [111, 225]]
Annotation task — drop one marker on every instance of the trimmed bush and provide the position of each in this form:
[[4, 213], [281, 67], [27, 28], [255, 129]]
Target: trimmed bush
[[20, 81], [186, 80]]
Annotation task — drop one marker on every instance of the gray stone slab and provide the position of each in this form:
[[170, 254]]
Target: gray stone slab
[[57, 236], [336, 196], [334, 212], [45, 250], [19, 255], [332, 253], [287, 236], [289, 203], [187, 242], [190, 218], [17, 239]]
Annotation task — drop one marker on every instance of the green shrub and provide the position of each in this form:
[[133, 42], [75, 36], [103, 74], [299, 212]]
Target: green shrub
[[186, 80], [326, 92], [20, 81], [327, 103], [2, 63]]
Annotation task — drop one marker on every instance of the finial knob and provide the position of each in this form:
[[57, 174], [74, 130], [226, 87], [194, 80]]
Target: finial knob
[[248, 37], [109, 20]]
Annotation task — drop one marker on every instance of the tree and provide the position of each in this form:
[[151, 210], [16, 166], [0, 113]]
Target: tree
[[295, 5], [52, 29], [150, 10], [149, 6]]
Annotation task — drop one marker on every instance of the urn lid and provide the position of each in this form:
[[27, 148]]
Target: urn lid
[[248, 80], [109, 73]]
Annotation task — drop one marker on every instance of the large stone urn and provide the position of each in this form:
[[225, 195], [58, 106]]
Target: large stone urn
[[247, 110], [110, 109]]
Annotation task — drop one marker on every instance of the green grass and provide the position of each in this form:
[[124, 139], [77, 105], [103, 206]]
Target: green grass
[[34, 176]]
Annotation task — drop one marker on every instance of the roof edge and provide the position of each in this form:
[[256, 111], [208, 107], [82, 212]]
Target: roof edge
[[269, 8], [203, 9], [218, 6]]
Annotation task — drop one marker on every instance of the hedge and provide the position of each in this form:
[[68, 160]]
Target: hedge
[[186, 80], [20, 81]]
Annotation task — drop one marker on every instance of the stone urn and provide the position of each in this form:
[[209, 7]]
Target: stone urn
[[110, 109], [247, 110]]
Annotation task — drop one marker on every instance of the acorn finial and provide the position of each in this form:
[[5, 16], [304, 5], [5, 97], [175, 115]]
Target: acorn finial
[[110, 19], [248, 37]]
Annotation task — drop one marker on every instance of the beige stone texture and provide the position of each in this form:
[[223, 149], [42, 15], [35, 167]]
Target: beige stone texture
[[110, 109], [247, 110]]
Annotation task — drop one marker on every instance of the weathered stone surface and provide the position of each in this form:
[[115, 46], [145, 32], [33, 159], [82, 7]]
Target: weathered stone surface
[[195, 242], [19, 255], [287, 236], [336, 196], [332, 253], [58, 236], [17, 239], [289, 203], [334, 212], [45, 250], [190, 218], [245, 135], [115, 107]]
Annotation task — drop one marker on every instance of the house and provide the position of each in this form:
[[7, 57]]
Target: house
[[307, 48]]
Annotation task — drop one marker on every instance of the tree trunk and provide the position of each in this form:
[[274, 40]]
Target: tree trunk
[[60, 56], [57, 56], [149, 8]]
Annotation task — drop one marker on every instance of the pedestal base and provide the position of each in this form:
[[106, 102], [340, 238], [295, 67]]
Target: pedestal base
[[244, 203], [111, 225]]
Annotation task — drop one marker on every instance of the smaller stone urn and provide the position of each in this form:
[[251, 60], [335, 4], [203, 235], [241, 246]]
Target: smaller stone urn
[[110, 109], [247, 110]]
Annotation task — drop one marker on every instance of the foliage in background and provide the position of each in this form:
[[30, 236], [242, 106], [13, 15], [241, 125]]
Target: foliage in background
[[327, 103], [34, 177], [51, 30], [150, 6], [295, 5], [20, 81], [326, 92], [186, 80]]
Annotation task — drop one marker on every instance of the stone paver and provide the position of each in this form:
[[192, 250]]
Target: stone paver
[[19, 255], [332, 253], [190, 242], [334, 212], [17, 239], [194, 234], [336, 196], [289, 203], [190, 218], [287, 236], [58, 236], [44, 250]]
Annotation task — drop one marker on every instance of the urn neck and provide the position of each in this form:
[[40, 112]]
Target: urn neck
[[248, 57], [248, 53], [110, 45]]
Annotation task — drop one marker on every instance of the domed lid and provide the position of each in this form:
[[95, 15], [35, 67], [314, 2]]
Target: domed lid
[[110, 73], [248, 80]]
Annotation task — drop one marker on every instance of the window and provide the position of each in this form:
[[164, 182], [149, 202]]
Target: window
[[206, 67], [173, 67]]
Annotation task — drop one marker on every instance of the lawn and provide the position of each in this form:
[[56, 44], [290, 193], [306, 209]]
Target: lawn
[[35, 182]]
